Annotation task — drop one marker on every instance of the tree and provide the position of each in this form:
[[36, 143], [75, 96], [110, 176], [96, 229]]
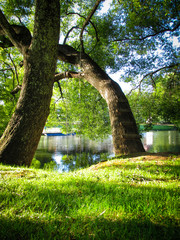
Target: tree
[[140, 43], [166, 94], [21, 137], [163, 99], [126, 33]]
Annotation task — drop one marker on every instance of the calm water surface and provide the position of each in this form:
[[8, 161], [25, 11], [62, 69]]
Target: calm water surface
[[73, 152]]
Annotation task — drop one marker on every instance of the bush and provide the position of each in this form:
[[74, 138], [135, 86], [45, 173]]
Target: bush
[[35, 163]]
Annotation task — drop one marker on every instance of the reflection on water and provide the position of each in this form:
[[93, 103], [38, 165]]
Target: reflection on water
[[161, 141], [71, 144], [73, 152]]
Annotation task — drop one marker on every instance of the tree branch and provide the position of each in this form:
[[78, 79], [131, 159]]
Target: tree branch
[[9, 31], [57, 77], [16, 89], [97, 38], [69, 74], [87, 21], [18, 36], [67, 35], [150, 35], [15, 68], [162, 68], [60, 89], [151, 74], [68, 54]]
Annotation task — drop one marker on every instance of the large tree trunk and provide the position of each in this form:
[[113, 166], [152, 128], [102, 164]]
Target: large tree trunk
[[20, 139], [125, 135], [126, 138]]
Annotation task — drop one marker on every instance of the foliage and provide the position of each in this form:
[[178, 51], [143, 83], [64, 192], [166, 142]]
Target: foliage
[[35, 163], [162, 104], [134, 198], [50, 166], [167, 94], [81, 110], [18, 8], [143, 106], [11, 75]]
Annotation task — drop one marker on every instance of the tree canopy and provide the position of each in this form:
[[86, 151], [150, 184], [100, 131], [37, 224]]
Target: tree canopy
[[136, 38]]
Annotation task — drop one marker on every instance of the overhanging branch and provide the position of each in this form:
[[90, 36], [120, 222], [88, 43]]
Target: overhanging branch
[[95, 29], [159, 69], [67, 35], [150, 35], [63, 75], [150, 74], [16, 89], [9, 31], [70, 74], [57, 78], [68, 54]]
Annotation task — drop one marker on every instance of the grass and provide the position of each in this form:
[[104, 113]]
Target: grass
[[135, 198]]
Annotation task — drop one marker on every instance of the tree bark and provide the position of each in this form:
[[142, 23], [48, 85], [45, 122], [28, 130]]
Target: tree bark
[[20, 139], [126, 138]]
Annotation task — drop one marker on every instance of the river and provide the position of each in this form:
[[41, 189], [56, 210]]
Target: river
[[73, 152]]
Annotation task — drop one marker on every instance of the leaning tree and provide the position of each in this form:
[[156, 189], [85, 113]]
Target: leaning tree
[[41, 52], [20, 139]]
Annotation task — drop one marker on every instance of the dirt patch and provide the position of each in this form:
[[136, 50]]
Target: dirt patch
[[154, 156], [17, 173], [122, 160]]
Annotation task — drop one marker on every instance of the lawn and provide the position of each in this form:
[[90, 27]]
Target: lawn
[[125, 198]]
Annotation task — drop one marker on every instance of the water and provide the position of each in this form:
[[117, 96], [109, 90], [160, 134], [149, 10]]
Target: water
[[74, 152], [161, 141]]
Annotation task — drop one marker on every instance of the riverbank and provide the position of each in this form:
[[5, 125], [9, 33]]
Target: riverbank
[[131, 198], [157, 127]]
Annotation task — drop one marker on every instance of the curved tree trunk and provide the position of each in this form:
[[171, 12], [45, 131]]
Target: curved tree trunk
[[126, 138], [20, 139]]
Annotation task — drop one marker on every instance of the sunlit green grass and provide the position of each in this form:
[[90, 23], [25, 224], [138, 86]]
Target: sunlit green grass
[[117, 199]]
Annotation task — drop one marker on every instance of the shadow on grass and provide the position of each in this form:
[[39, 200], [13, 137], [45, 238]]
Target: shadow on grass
[[90, 209], [78, 228]]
